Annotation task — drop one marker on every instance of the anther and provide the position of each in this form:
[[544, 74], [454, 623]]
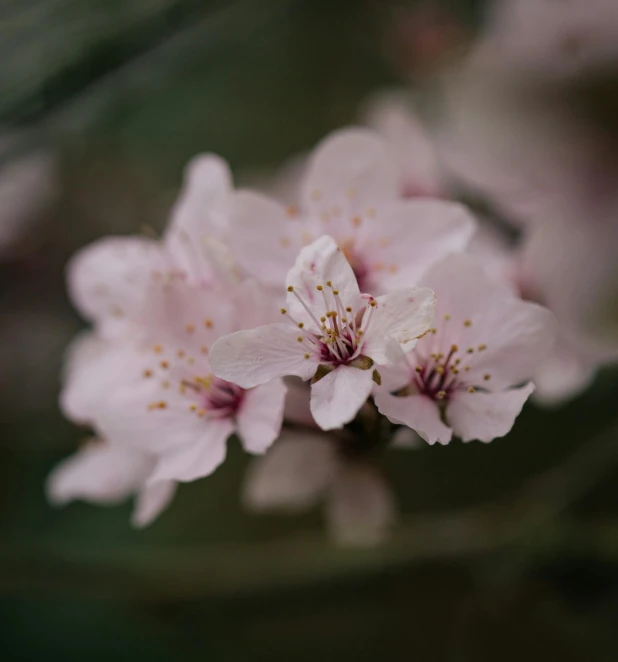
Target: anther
[[447, 317], [471, 389], [418, 368], [283, 311], [487, 377], [318, 287], [290, 288], [300, 325], [482, 347], [441, 395], [470, 350], [147, 373], [300, 338]]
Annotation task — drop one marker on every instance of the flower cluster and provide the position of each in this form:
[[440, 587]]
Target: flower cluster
[[323, 326]]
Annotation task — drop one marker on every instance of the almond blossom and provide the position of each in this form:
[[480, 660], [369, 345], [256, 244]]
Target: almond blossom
[[331, 333], [164, 399], [533, 271], [469, 376], [304, 469], [352, 192]]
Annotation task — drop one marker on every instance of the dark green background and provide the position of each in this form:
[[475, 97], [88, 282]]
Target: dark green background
[[506, 551]]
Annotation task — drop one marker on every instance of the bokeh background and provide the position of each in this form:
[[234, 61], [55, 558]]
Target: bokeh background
[[504, 551]]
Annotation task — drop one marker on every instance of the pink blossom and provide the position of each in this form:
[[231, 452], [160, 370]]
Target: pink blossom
[[351, 191], [163, 398], [332, 333], [304, 469], [465, 376]]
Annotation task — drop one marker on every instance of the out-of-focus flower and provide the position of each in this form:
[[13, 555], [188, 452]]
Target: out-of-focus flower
[[409, 143], [569, 366], [304, 469], [165, 399], [465, 376], [552, 38], [352, 192], [333, 333], [105, 474], [28, 186]]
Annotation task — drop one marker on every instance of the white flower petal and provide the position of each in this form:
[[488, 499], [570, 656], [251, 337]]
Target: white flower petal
[[417, 412], [360, 508], [264, 238], [337, 397], [151, 501], [410, 236], [351, 164], [261, 415], [251, 358], [293, 474], [486, 416], [98, 473], [189, 462], [404, 316], [518, 335], [108, 279], [316, 265], [202, 209]]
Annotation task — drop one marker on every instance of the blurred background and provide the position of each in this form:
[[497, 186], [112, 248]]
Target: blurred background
[[503, 551]]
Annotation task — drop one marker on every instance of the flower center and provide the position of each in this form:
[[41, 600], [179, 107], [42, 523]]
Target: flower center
[[337, 337], [206, 396], [442, 371]]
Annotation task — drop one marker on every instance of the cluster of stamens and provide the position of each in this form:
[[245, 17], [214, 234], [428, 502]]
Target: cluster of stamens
[[207, 396], [337, 336], [440, 373]]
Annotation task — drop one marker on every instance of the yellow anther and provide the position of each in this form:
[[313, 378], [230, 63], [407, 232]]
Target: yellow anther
[[300, 338], [201, 413], [284, 242], [468, 323], [164, 364], [447, 317], [208, 323], [441, 395], [180, 353], [440, 369], [283, 311], [373, 303], [165, 384], [454, 348], [190, 328], [348, 309], [418, 368], [192, 407], [466, 368], [323, 318], [471, 389], [470, 350], [204, 349], [356, 221], [157, 349], [482, 347], [147, 373], [307, 356], [290, 288], [335, 292], [292, 210], [329, 283], [434, 331], [487, 377], [319, 288]]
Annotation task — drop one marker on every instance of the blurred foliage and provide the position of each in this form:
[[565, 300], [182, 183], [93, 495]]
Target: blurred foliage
[[489, 563]]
